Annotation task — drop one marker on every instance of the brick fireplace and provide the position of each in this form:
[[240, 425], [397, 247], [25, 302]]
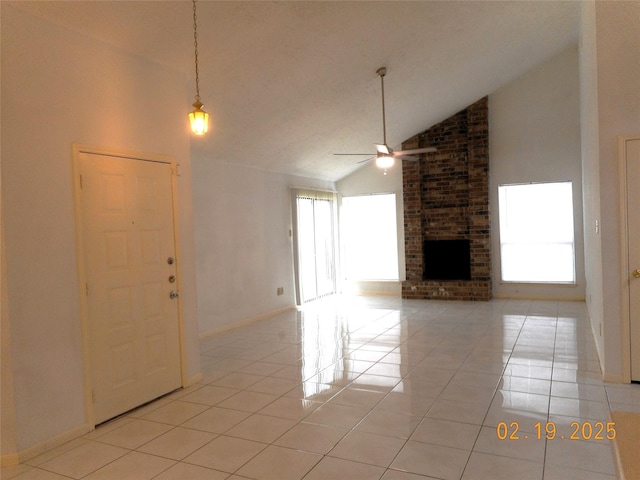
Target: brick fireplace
[[446, 210]]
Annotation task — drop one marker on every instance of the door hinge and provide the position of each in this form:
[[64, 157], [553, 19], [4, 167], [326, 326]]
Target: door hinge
[[81, 182], [93, 396], [86, 286]]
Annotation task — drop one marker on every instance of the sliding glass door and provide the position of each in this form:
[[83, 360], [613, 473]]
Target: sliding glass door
[[315, 232]]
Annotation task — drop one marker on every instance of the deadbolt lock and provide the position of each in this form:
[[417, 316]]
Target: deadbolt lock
[[636, 273], [171, 260], [172, 278]]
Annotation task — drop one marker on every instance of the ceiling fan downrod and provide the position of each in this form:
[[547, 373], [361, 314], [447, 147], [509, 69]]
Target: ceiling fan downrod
[[382, 71]]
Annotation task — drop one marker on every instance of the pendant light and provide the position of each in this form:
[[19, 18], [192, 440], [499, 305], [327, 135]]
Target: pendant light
[[199, 119]]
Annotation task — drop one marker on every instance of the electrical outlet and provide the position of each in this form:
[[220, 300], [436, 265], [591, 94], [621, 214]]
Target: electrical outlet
[[280, 291]]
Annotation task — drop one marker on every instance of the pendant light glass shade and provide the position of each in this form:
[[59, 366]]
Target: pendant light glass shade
[[199, 120]]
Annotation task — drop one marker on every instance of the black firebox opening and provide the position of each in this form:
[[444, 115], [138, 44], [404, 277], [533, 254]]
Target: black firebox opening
[[447, 260]]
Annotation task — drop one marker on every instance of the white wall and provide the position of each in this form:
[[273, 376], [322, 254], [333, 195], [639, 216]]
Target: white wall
[[59, 88], [591, 172], [243, 243], [368, 180], [611, 71], [534, 136]]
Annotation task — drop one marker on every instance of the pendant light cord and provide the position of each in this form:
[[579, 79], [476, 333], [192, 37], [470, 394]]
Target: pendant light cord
[[195, 46]]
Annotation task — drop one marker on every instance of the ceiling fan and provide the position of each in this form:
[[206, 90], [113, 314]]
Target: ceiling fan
[[385, 156]]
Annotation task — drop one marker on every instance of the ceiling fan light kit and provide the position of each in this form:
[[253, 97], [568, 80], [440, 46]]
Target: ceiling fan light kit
[[384, 161], [385, 156]]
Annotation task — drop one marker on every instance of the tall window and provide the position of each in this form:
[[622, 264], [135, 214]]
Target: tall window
[[315, 230], [536, 233], [369, 234]]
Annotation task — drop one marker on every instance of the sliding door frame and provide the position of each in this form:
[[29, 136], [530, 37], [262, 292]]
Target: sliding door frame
[[318, 195]]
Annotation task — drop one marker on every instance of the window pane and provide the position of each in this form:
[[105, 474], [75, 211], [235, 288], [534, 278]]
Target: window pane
[[370, 237], [537, 262], [536, 232]]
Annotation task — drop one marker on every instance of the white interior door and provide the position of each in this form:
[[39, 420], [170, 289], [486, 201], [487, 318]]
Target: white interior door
[[633, 226], [130, 268]]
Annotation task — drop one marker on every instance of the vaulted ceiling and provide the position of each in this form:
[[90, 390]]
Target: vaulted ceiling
[[288, 84]]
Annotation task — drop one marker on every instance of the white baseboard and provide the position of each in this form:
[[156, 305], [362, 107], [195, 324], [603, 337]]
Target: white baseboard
[[614, 378], [10, 460], [49, 444], [618, 461], [242, 323]]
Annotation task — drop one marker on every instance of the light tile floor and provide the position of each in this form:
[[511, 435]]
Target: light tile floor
[[372, 388]]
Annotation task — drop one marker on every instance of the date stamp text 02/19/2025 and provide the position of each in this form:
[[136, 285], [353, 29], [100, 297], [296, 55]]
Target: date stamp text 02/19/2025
[[548, 430]]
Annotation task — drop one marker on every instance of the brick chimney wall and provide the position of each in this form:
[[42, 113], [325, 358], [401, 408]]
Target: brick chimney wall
[[446, 197]]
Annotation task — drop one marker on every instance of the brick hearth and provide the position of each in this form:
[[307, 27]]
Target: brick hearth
[[446, 197]]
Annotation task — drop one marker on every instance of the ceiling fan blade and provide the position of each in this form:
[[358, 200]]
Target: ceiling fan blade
[[366, 160], [416, 151], [382, 148], [407, 157]]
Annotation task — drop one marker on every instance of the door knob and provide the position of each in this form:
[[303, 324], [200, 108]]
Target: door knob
[[173, 294], [636, 273]]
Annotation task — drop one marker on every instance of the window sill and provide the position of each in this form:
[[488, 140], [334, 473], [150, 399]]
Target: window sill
[[544, 284]]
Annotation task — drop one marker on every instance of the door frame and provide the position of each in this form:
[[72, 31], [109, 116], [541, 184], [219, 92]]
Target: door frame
[[625, 297], [79, 149]]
